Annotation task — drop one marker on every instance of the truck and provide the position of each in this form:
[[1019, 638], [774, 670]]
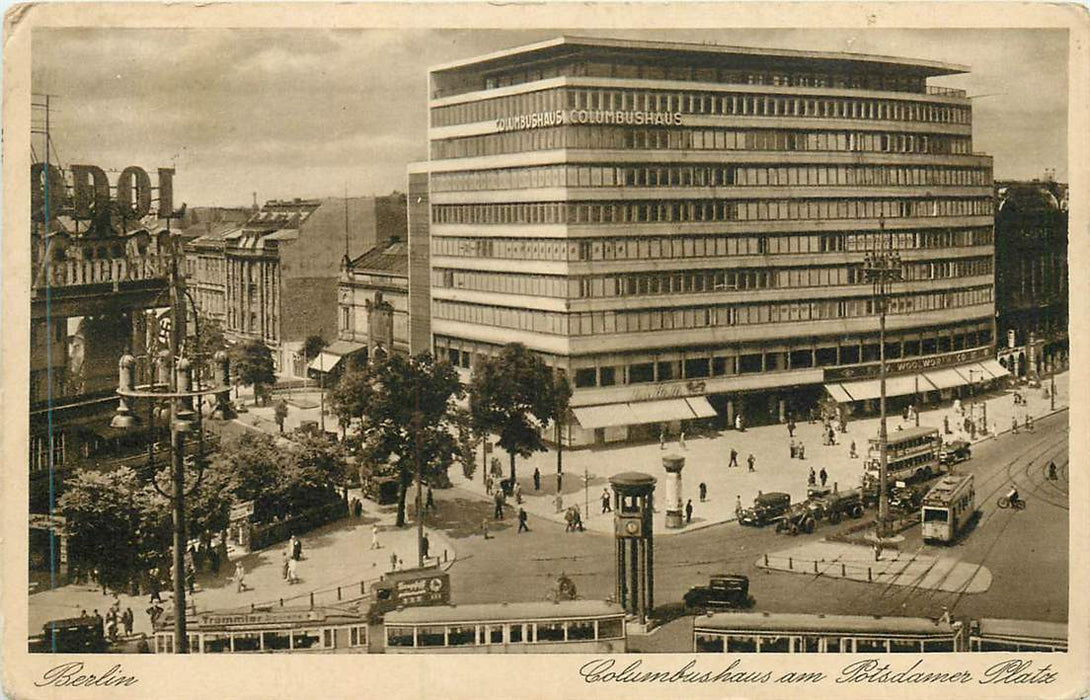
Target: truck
[[800, 517], [834, 506]]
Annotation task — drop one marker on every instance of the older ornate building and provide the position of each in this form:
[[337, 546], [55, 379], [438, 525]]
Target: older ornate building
[[1031, 279]]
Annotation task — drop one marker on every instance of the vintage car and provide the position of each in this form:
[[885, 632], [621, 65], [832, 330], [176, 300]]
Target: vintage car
[[955, 451], [766, 508], [907, 499], [800, 517], [722, 591], [836, 505]]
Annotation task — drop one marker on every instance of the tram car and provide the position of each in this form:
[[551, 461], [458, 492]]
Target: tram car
[[948, 508], [991, 634]]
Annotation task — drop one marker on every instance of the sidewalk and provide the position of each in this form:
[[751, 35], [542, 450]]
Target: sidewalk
[[337, 554], [856, 563], [706, 461]]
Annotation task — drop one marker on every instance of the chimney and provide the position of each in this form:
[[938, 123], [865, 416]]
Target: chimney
[[254, 206]]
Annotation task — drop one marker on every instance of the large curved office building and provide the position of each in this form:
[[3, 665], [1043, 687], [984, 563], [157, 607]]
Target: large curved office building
[[682, 227]]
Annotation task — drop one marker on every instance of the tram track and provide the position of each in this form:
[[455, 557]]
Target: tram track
[[904, 595]]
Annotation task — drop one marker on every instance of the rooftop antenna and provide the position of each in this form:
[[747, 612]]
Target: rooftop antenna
[[346, 256]]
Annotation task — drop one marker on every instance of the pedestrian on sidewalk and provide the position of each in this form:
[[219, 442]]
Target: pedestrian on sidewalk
[[794, 449], [559, 483], [703, 492], [484, 528], [578, 518], [488, 484], [537, 479], [393, 561], [127, 620], [823, 475], [425, 545], [812, 479], [662, 437], [429, 502], [374, 537], [240, 577], [518, 493], [689, 511], [1014, 424], [1029, 422], [738, 506], [681, 440], [522, 521], [739, 424], [751, 459], [607, 507], [802, 450], [733, 458], [293, 571], [877, 551], [791, 427], [946, 425], [284, 567], [497, 512]]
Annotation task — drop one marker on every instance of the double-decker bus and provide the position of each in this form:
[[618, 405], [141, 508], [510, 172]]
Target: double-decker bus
[[265, 629], [948, 507], [912, 454], [572, 626], [991, 634], [796, 633]]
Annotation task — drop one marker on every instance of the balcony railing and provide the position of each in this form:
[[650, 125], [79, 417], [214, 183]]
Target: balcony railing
[[945, 91]]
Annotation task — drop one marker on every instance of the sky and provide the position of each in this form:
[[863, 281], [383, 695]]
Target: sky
[[311, 112]]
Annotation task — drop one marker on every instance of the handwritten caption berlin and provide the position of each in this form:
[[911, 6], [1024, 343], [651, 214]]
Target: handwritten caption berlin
[[867, 671]]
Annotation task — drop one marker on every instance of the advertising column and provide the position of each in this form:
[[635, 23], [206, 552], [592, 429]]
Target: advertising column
[[673, 464]]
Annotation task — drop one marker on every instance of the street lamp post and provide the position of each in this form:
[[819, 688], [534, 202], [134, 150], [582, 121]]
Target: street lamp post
[[1052, 391], [881, 267], [175, 387]]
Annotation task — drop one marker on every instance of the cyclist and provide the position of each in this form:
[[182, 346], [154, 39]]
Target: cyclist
[[1012, 496]]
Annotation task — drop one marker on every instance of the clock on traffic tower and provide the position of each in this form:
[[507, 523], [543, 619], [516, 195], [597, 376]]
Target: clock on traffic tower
[[633, 505]]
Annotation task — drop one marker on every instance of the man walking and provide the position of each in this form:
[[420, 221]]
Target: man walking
[[812, 479], [703, 492], [738, 506], [484, 528], [681, 439], [689, 511], [606, 505], [429, 502], [537, 479], [374, 537], [498, 511], [791, 427], [733, 458], [750, 460], [425, 545], [522, 521], [662, 438], [823, 475]]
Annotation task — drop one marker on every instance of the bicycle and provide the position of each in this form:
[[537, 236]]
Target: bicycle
[[1005, 502]]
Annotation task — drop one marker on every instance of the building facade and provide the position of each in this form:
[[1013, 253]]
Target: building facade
[[682, 228], [281, 269], [373, 299], [1031, 279]]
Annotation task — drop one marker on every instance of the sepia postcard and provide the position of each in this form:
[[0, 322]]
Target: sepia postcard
[[545, 350]]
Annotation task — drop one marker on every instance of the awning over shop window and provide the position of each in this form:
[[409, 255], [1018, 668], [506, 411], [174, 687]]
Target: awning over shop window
[[591, 417], [333, 353], [643, 412], [997, 370], [660, 411], [325, 361], [945, 378], [895, 386], [701, 407], [837, 392]]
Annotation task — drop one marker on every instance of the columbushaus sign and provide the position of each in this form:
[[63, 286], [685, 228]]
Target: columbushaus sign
[[86, 193], [588, 116]]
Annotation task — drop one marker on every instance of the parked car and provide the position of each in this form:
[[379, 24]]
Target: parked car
[[800, 517], [955, 451], [766, 508], [836, 505], [907, 499], [722, 591]]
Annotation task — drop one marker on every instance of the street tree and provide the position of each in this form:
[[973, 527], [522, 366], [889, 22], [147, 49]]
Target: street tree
[[208, 338], [103, 524], [406, 406], [508, 393], [252, 365], [350, 397], [312, 345]]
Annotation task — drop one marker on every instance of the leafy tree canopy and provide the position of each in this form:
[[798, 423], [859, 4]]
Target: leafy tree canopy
[[252, 363]]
